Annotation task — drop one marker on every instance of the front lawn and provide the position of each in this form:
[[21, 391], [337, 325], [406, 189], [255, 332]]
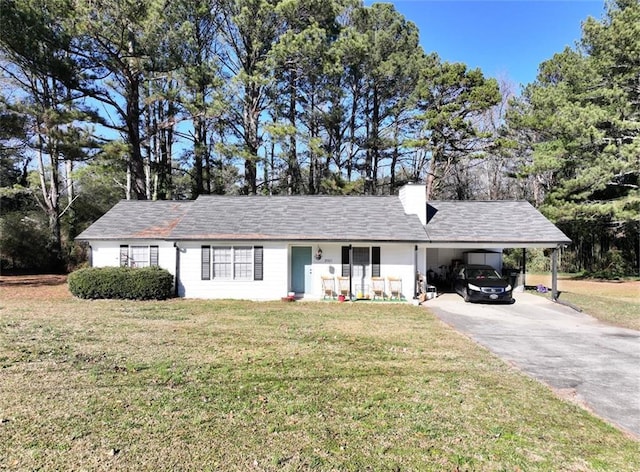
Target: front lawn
[[205, 385], [614, 302]]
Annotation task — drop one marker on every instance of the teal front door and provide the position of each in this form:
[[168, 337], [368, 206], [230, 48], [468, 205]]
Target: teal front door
[[300, 268]]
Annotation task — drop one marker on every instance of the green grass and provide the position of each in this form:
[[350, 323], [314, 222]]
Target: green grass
[[196, 385], [613, 302], [616, 311]]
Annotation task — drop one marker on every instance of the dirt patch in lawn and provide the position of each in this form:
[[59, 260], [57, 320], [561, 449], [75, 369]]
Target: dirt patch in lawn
[[34, 287]]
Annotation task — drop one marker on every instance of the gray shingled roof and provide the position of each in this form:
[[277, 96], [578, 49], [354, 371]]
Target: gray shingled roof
[[137, 219], [325, 218], [310, 217], [318, 217], [490, 222]]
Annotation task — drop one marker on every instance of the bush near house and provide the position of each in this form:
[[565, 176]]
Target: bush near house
[[149, 283]]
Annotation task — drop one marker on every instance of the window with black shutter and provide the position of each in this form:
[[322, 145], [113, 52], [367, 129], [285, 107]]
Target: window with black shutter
[[375, 261], [345, 261], [205, 265], [124, 255], [258, 253], [153, 256]]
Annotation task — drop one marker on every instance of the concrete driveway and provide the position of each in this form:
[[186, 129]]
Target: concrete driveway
[[584, 360]]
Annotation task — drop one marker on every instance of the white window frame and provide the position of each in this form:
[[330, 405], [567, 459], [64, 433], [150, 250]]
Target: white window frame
[[243, 263], [138, 255], [237, 261], [222, 258]]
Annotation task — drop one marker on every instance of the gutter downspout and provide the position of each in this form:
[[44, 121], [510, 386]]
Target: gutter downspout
[[524, 267], [554, 274], [415, 272], [177, 277], [351, 272]]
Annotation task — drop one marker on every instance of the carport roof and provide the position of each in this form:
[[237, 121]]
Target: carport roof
[[497, 222]]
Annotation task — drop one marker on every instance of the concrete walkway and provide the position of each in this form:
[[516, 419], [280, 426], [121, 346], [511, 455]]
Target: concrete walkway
[[584, 360]]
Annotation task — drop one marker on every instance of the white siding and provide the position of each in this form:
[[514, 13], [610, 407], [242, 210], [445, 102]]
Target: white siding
[[396, 260], [273, 287], [107, 253]]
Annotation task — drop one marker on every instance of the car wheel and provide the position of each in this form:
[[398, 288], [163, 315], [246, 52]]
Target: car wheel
[[466, 295]]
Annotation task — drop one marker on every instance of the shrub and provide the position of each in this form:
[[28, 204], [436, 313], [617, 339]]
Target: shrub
[[24, 239], [612, 266], [149, 283], [537, 259]]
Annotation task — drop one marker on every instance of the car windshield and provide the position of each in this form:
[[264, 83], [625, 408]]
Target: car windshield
[[483, 274]]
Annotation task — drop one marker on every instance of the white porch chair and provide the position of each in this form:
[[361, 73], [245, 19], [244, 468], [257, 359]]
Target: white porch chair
[[377, 288], [395, 287], [328, 287]]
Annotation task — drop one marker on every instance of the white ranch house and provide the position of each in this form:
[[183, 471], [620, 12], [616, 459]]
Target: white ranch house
[[266, 247]]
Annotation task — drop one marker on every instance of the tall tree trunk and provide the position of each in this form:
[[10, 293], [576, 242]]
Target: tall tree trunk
[[50, 202], [314, 170], [251, 125], [71, 197], [432, 170], [199, 155], [352, 132], [136, 159], [394, 157], [372, 176], [295, 176]]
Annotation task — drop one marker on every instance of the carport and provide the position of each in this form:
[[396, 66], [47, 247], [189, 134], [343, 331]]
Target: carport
[[460, 232]]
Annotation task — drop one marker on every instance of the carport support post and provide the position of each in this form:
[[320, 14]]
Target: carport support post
[[351, 272], [176, 279], [554, 274], [415, 272]]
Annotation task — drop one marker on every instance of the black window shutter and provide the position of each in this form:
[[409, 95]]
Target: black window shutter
[[375, 261], [258, 257], [153, 256], [206, 263], [345, 261], [124, 255]]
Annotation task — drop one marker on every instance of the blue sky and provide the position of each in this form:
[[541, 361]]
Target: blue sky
[[505, 38]]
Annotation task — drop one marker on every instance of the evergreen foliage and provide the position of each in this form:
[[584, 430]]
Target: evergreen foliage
[[148, 283], [582, 123], [151, 99]]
